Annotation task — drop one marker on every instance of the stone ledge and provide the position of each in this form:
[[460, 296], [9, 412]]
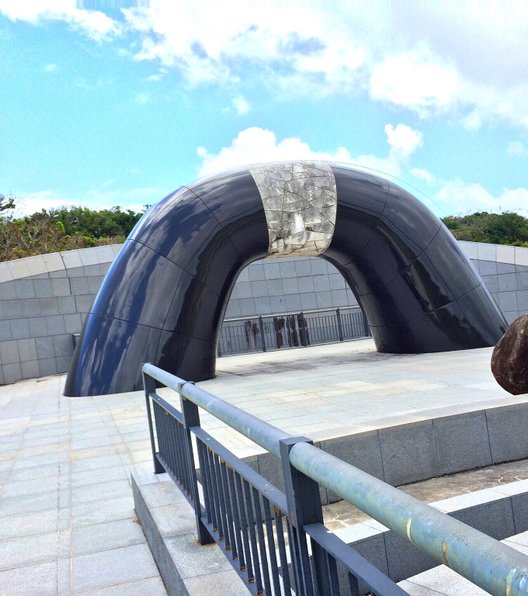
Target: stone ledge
[[185, 566], [410, 448]]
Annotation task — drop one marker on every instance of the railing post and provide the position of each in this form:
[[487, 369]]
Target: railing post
[[304, 507], [262, 338], [339, 325], [191, 418], [149, 385]]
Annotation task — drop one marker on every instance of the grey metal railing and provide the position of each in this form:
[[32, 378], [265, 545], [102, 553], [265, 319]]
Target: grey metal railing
[[288, 330], [276, 540]]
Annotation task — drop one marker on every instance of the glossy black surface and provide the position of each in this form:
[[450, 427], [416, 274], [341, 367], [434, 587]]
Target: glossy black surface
[[163, 299]]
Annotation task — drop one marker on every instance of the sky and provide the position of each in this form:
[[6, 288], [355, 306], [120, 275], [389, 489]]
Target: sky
[[120, 102]]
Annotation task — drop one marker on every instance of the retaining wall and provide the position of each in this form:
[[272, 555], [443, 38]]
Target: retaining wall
[[45, 299]]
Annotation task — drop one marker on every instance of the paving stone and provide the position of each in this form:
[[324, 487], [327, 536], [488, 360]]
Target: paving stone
[[89, 514], [101, 537], [194, 560], [152, 586], [111, 567], [43, 575], [32, 523], [227, 583], [27, 550]]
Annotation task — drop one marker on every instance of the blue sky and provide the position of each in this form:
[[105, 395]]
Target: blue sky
[[119, 102]]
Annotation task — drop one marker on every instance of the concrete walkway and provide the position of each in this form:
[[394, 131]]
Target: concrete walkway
[[67, 523]]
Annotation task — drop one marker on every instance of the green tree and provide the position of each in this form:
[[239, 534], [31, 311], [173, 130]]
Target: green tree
[[497, 228]]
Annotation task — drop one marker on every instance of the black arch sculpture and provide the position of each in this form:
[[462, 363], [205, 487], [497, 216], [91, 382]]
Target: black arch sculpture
[[164, 297]]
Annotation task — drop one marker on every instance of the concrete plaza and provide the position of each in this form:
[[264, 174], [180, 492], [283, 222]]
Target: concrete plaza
[[67, 522]]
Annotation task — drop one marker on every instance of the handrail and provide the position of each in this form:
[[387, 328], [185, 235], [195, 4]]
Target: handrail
[[260, 432], [486, 562], [483, 560]]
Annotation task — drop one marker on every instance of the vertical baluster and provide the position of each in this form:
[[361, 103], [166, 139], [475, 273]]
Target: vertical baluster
[[161, 430], [271, 546], [259, 519], [176, 452], [244, 526], [215, 513], [236, 518], [332, 574], [252, 536], [187, 459], [353, 583], [295, 559], [224, 487], [218, 496], [167, 442], [172, 448], [282, 550], [206, 481]]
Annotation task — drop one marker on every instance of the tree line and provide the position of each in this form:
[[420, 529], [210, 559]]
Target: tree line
[[67, 228], [494, 228]]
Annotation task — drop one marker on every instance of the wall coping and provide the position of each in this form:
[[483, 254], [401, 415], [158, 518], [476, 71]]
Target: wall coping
[[56, 261]]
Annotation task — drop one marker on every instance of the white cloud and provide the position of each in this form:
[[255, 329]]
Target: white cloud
[[93, 23], [403, 140], [241, 105], [255, 144], [102, 198], [51, 68], [465, 59], [423, 175], [415, 80], [460, 198], [458, 58]]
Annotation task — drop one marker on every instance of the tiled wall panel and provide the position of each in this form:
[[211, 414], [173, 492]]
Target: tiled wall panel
[[45, 299]]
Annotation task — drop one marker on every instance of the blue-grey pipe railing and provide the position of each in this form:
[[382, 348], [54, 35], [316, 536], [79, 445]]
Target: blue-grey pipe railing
[[488, 563]]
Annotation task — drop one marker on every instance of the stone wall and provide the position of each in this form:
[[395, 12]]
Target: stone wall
[[504, 270], [45, 299]]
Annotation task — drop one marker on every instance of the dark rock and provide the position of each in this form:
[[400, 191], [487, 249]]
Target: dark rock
[[509, 361]]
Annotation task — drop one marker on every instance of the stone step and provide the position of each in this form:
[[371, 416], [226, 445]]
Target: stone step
[[342, 514], [499, 509]]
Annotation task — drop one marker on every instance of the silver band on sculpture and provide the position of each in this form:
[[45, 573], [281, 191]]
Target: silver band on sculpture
[[300, 203]]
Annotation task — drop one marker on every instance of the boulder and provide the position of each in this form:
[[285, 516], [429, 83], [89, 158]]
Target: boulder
[[509, 361]]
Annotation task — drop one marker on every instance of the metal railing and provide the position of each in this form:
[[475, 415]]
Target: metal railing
[[276, 540], [288, 330]]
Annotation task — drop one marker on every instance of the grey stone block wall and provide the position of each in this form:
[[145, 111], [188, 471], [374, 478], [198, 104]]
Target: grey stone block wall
[[45, 299], [275, 286]]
